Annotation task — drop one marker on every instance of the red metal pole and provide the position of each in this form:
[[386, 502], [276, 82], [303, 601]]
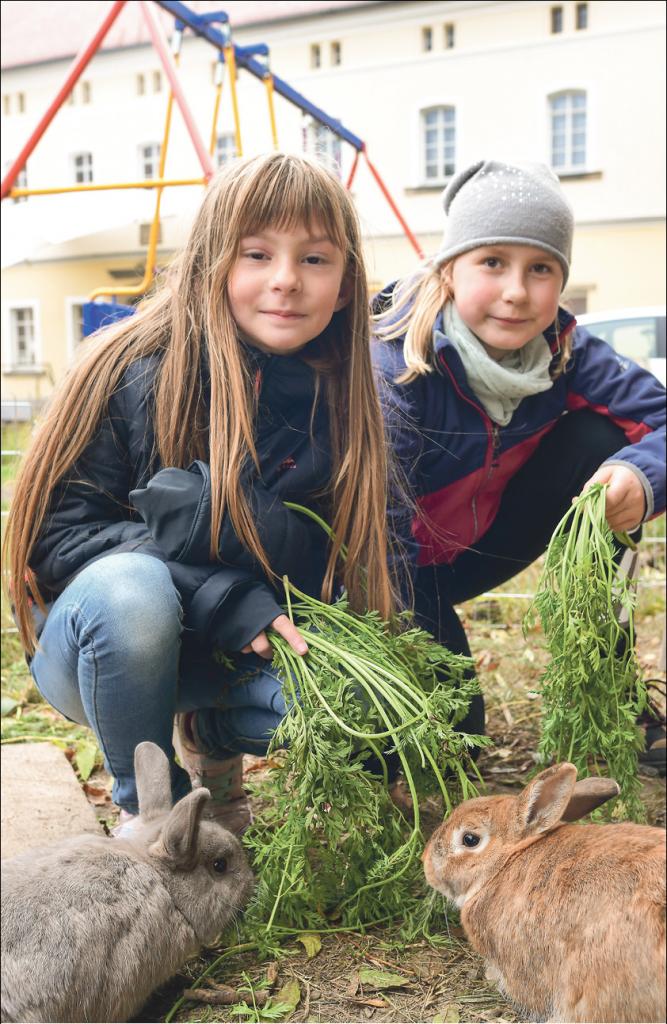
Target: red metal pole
[[353, 170], [77, 68], [383, 188], [167, 63]]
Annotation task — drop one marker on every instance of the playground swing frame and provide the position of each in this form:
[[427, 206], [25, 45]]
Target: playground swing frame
[[230, 54]]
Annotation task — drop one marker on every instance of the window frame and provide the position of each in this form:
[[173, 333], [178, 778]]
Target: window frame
[[315, 56], [427, 38], [440, 179], [556, 20], [449, 35], [70, 302], [581, 8], [156, 146], [332, 150], [84, 169], [9, 354], [569, 166], [218, 152]]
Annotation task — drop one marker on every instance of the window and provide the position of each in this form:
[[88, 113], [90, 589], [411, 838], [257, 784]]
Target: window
[[438, 143], [450, 37], [6, 105], [83, 168], [320, 142], [141, 85], [156, 79], [336, 54], [22, 336], [145, 233], [315, 56], [20, 102], [427, 39], [582, 16], [556, 19], [76, 324], [225, 149], [149, 156], [568, 131], [86, 92]]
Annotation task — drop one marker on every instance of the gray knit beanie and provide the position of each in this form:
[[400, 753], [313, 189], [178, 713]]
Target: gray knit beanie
[[491, 203]]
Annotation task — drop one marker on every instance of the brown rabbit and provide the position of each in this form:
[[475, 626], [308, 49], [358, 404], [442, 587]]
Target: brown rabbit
[[571, 918]]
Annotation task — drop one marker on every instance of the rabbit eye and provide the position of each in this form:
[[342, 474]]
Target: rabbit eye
[[220, 865], [470, 839]]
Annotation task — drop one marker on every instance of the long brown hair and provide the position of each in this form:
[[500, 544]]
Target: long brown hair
[[415, 303], [187, 319]]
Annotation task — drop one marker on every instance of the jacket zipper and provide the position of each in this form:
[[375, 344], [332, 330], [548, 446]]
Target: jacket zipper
[[493, 439]]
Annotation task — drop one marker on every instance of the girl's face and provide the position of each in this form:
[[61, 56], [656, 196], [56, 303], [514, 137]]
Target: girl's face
[[506, 294], [285, 286]]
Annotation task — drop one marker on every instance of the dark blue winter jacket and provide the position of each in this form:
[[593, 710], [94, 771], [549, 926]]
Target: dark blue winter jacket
[[117, 498], [459, 462]]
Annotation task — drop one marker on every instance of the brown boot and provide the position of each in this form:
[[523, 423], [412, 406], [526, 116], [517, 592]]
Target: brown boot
[[229, 803]]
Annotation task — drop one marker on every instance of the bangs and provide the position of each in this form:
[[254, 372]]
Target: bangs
[[290, 192]]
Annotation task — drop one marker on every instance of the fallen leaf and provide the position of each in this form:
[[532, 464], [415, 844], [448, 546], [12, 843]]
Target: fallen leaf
[[503, 752], [311, 942], [8, 705], [449, 1014], [381, 979], [373, 1002], [272, 973], [289, 994], [351, 989], [96, 794], [85, 759]]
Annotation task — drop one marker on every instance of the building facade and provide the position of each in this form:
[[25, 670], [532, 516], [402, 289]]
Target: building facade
[[429, 86]]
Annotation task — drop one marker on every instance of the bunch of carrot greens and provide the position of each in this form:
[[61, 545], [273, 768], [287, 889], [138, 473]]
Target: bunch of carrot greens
[[592, 689], [330, 848]]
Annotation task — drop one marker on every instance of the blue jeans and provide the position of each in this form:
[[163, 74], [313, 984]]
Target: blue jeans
[[113, 655]]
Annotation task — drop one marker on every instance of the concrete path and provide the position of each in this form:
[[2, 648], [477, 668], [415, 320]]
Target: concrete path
[[41, 798]]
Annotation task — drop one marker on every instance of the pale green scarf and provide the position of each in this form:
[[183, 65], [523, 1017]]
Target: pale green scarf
[[499, 384]]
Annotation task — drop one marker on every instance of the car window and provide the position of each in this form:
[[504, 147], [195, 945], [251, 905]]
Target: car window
[[637, 339]]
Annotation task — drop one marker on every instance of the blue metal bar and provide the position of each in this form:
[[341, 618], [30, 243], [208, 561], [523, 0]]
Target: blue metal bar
[[198, 24]]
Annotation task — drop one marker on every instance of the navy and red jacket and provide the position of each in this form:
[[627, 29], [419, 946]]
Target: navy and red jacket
[[459, 462]]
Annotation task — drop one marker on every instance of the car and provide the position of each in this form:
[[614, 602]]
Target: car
[[637, 333]]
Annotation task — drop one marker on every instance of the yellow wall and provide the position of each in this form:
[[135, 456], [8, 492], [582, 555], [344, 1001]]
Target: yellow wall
[[51, 284]]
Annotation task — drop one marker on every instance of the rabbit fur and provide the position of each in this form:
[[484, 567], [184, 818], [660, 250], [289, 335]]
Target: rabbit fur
[[92, 925], [570, 918]]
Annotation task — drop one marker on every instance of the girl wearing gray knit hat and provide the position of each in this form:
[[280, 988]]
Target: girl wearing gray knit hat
[[482, 365]]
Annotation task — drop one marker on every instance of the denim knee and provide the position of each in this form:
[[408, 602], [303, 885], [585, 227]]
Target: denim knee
[[129, 601]]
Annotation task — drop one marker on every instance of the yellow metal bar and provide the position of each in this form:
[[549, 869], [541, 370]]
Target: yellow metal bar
[[219, 78], [151, 255], [268, 81], [230, 61], [147, 183]]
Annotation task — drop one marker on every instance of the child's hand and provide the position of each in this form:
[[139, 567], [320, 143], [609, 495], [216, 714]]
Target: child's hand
[[625, 505], [260, 645]]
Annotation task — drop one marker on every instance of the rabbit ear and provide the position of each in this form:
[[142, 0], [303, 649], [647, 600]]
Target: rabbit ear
[[543, 802], [151, 769], [179, 837], [589, 794]]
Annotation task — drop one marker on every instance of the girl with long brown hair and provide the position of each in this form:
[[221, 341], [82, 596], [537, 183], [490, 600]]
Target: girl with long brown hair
[[149, 522]]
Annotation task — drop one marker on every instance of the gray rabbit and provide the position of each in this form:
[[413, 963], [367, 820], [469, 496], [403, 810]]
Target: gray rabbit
[[92, 925]]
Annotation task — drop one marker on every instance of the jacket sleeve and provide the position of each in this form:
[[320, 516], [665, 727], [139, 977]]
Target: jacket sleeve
[[89, 518], [610, 384], [176, 508]]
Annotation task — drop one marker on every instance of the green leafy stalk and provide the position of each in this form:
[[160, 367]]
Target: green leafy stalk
[[592, 690], [330, 848]]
